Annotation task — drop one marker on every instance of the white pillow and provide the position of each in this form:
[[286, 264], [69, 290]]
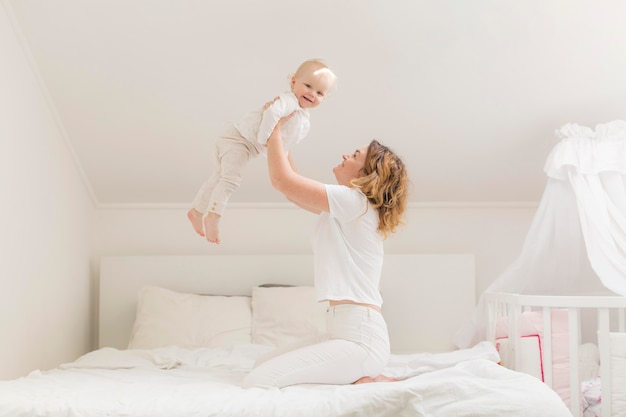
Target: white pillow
[[283, 315], [191, 321]]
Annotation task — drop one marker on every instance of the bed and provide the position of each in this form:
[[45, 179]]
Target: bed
[[177, 334], [576, 344]]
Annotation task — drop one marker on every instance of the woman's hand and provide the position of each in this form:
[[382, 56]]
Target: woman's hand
[[284, 119], [269, 103], [281, 121]]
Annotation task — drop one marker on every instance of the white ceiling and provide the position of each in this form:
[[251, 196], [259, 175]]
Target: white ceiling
[[469, 92]]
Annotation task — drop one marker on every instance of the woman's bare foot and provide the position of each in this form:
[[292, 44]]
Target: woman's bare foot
[[384, 378], [379, 378], [195, 217], [211, 227]]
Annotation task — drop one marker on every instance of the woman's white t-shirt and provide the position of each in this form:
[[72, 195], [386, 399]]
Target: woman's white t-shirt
[[347, 248]]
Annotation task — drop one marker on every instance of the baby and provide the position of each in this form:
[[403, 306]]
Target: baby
[[247, 138]]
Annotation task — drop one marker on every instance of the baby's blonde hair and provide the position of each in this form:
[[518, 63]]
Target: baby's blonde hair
[[314, 65]]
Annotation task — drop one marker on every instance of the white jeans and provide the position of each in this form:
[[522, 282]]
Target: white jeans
[[357, 345]]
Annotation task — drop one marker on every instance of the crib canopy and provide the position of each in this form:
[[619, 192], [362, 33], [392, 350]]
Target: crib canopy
[[577, 240]]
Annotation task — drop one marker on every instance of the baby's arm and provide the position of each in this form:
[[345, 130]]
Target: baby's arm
[[285, 104]]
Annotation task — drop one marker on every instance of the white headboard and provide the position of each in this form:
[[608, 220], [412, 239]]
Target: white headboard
[[426, 296]]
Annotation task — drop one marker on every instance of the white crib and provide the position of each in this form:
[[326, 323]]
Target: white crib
[[609, 334]]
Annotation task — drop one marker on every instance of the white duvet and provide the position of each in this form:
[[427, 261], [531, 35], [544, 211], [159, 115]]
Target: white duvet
[[175, 382]]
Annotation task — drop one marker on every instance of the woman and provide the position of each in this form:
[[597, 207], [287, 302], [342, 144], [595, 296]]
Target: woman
[[355, 216]]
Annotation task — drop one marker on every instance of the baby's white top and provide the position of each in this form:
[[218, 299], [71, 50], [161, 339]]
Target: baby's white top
[[257, 126]]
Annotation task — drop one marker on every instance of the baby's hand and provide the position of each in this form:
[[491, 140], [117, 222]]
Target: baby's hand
[[269, 103]]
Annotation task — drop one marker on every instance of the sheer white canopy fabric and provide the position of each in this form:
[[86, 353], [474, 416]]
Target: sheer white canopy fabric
[[577, 240]]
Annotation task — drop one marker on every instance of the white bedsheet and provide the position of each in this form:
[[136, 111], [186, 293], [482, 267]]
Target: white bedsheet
[[172, 382]]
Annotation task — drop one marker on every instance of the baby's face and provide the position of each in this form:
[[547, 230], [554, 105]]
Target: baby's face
[[312, 87]]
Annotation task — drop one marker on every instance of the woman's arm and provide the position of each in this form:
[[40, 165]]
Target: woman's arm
[[292, 162], [302, 191], [295, 169]]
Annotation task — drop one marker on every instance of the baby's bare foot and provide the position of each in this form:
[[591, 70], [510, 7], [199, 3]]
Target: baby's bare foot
[[195, 217], [211, 227], [384, 378]]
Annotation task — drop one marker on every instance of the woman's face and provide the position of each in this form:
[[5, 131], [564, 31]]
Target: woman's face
[[351, 166]]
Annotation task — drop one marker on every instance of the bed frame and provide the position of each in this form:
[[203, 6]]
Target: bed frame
[[609, 312], [426, 296]]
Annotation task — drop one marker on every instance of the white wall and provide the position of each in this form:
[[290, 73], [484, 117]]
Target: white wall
[[45, 223]]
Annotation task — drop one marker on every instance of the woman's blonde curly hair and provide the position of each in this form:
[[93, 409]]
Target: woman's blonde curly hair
[[385, 183]]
